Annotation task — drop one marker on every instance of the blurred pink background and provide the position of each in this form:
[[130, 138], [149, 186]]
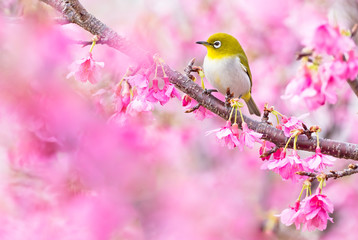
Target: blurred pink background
[[68, 172]]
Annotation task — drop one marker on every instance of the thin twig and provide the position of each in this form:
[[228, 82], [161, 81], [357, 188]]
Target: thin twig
[[265, 116], [89, 43], [303, 54], [354, 30], [269, 152], [306, 131], [189, 69], [352, 169], [196, 107]]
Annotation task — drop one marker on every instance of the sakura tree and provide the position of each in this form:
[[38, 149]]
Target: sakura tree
[[107, 132]]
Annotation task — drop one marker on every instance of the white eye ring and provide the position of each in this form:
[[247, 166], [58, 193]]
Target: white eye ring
[[217, 44]]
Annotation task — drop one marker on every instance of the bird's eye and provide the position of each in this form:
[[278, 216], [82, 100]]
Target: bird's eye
[[217, 44]]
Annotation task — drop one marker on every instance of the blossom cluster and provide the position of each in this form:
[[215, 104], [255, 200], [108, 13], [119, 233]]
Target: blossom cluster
[[330, 62], [137, 93], [86, 69], [133, 94], [229, 136], [312, 212], [286, 165]]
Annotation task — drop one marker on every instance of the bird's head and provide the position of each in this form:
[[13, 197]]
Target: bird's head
[[221, 45]]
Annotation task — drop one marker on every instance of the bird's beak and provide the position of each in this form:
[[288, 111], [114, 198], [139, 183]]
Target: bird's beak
[[203, 43]]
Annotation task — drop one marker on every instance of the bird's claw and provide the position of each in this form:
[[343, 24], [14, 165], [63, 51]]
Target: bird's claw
[[227, 103], [228, 97]]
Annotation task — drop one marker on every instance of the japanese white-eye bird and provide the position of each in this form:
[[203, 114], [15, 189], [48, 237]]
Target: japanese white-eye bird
[[226, 67]]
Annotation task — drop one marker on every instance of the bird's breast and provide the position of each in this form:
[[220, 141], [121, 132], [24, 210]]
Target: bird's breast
[[225, 73]]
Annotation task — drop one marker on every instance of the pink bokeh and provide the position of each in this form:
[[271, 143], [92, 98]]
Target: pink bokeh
[[112, 155]]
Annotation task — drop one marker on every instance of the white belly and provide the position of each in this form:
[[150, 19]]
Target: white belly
[[227, 73]]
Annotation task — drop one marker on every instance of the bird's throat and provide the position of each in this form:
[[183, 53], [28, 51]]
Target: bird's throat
[[217, 54]]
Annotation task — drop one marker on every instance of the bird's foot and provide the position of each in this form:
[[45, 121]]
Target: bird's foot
[[228, 97], [227, 102]]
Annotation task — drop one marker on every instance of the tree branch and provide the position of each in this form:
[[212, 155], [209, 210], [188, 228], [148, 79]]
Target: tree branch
[[354, 85], [75, 13], [272, 134], [352, 169]]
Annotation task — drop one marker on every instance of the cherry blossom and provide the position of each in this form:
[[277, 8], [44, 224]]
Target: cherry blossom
[[249, 137], [290, 124], [86, 69], [315, 210], [286, 166], [171, 91], [139, 104], [345, 67], [227, 136], [319, 161], [155, 94], [291, 215], [122, 97], [328, 39], [333, 61], [312, 212], [140, 81]]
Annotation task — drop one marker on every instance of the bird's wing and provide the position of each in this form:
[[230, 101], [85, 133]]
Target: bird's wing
[[245, 66]]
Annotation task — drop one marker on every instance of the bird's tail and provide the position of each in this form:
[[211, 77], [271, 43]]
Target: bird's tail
[[253, 109]]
